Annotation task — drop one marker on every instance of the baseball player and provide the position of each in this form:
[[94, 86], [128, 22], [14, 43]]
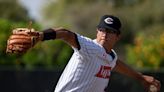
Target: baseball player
[[90, 66]]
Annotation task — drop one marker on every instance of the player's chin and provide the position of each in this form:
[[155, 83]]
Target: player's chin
[[102, 42]]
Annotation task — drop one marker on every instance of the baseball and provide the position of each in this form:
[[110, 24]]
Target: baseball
[[153, 88]]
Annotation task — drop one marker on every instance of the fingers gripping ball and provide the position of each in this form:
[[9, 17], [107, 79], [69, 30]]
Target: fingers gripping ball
[[153, 88], [22, 39]]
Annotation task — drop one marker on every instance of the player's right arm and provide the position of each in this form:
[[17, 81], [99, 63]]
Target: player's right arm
[[63, 34], [80, 43]]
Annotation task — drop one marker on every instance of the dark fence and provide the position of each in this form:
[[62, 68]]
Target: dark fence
[[45, 81]]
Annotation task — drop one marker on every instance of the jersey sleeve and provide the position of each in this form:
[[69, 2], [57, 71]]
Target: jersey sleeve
[[86, 46]]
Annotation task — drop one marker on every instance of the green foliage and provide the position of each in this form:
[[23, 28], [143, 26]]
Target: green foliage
[[6, 28], [11, 15], [148, 50], [49, 54], [42, 55]]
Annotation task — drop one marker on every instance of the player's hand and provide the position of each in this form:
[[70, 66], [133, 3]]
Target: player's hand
[[22, 39], [151, 84]]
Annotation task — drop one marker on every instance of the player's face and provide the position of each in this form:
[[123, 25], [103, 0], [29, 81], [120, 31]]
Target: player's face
[[107, 37]]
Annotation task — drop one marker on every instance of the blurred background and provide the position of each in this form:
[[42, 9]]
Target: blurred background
[[141, 46]]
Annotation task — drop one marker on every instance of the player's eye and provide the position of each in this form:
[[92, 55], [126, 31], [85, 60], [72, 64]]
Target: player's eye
[[107, 30]]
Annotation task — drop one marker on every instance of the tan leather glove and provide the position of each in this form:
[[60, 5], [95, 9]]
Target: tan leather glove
[[22, 39]]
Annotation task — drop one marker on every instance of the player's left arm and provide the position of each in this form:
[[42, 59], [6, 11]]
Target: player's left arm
[[146, 80]]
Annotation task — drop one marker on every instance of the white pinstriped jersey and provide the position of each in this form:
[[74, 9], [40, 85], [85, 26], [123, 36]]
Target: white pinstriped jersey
[[88, 69]]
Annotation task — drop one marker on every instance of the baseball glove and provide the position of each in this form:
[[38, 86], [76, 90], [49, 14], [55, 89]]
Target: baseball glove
[[22, 39]]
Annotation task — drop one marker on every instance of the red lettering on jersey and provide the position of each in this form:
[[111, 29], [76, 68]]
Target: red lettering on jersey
[[104, 72]]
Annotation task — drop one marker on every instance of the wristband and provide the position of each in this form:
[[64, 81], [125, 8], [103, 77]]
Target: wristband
[[49, 34]]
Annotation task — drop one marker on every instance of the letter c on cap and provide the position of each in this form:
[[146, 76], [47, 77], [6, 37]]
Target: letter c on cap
[[108, 20]]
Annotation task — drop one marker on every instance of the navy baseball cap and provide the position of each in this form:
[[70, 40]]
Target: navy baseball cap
[[110, 22]]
